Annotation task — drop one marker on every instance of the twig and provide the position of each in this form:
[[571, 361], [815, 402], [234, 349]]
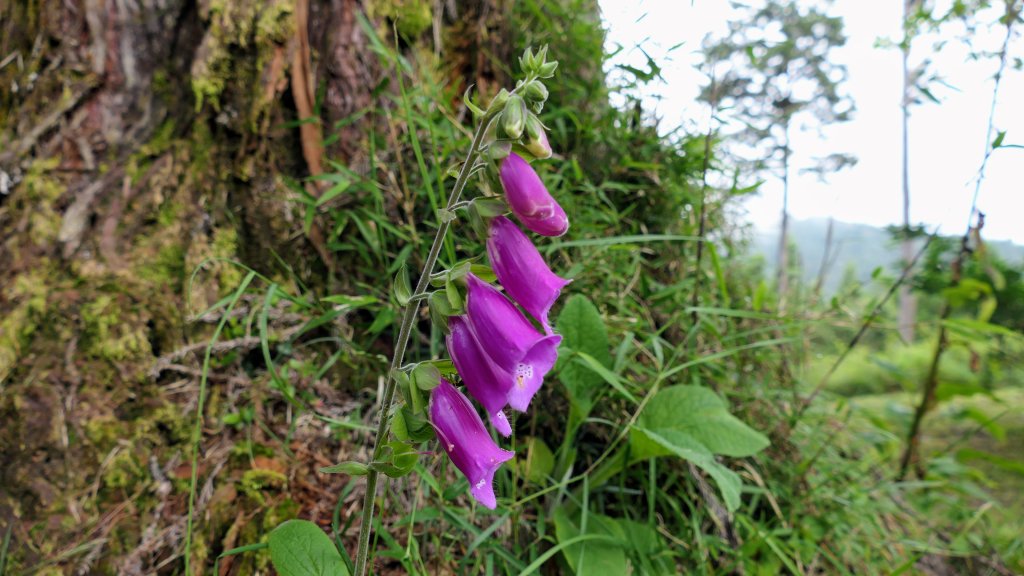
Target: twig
[[167, 361], [21, 147], [931, 382]]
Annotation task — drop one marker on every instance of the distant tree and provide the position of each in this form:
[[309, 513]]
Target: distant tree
[[921, 18], [774, 72], [915, 12]]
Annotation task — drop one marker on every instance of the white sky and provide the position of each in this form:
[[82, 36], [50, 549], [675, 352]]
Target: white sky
[[947, 140]]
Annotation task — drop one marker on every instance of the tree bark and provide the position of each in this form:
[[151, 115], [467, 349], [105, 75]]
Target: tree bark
[[783, 272], [907, 303], [140, 140]]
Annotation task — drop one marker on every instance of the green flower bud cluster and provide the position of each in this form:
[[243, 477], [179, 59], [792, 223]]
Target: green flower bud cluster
[[518, 121], [537, 64]]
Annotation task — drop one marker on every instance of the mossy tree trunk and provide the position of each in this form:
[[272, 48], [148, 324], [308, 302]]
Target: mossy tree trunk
[[139, 140]]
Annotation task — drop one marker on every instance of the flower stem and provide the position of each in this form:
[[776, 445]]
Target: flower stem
[[404, 332]]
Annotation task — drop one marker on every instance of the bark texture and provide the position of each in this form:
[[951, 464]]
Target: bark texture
[[138, 140]]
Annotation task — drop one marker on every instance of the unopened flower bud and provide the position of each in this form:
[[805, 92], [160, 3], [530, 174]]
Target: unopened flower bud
[[513, 119], [499, 101], [535, 91], [536, 139], [526, 61], [547, 70], [529, 200]]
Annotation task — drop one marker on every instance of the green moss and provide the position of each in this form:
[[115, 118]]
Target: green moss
[[255, 481], [122, 471], [111, 332], [28, 294], [104, 431], [282, 512], [235, 25], [411, 17], [38, 196], [275, 23], [245, 449]]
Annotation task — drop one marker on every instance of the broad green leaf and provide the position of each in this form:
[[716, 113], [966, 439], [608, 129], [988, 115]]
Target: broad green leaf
[[986, 309], [688, 448], [700, 414], [539, 460], [592, 557], [301, 548], [582, 330], [426, 376]]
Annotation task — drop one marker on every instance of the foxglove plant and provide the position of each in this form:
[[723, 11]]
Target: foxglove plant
[[498, 354]]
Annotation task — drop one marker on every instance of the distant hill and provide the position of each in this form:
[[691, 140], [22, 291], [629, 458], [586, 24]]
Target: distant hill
[[861, 246]]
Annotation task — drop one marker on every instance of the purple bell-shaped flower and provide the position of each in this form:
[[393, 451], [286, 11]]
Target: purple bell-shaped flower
[[529, 199], [485, 381], [510, 340], [522, 271], [467, 443]]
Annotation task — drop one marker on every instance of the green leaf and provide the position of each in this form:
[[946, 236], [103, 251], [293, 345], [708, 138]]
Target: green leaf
[[469, 103], [539, 461], [607, 375], [301, 548], [701, 414], [592, 557], [583, 331], [334, 191], [1009, 464], [351, 468], [409, 425], [454, 297], [951, 389], [426, 376], [440, 310], [999, 139], [647, 550], [928, 94], [396, 459], [347, 301], [490, 206], [987, 422], [402, 288], [689, 448]]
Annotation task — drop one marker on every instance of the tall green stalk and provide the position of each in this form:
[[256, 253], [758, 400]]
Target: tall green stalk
[[408, 318]]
